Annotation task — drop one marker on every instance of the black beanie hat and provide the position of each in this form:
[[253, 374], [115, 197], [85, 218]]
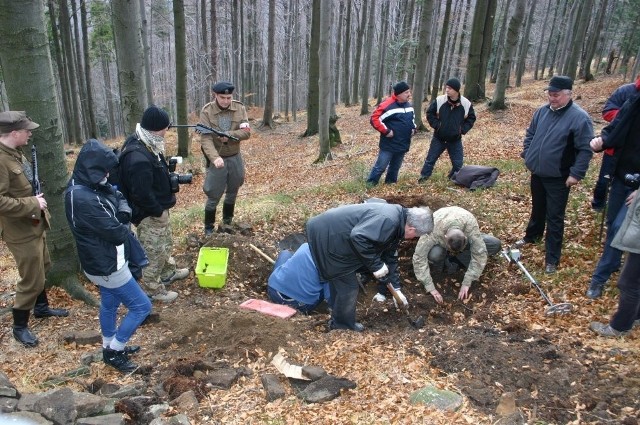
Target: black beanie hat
[[400, 87], [154, 119], [454, 83]]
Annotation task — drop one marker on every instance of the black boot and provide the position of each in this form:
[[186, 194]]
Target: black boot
[[21, 330], [209, 221], [42, 309], [118, 360], [227, 213]]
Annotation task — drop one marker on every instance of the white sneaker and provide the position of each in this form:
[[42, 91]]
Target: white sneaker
[[379, 298], [178, 274], [164, 296]]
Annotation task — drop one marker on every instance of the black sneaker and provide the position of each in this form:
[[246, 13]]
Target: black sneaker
[[118, 360]]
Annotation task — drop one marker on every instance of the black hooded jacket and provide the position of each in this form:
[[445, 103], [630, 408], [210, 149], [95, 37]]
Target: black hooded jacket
[[91, 208], [144, 181]]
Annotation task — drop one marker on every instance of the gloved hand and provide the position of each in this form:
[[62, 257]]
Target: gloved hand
[[384, 270], [124, 211], [405, 303]]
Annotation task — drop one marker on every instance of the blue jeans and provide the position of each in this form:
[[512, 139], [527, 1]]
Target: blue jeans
[[456, 154], [390, 161], [283, 299], [617, 209], [138, 305], [549, 196], [629, 302]]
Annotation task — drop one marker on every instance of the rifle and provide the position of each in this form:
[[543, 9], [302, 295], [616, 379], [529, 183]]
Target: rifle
[[203, 129], [37, 190]]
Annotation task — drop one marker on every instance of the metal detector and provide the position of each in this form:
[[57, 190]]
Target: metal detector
[[513, 256]]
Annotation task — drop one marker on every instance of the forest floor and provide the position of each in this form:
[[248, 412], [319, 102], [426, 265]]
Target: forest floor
[[499, 341]]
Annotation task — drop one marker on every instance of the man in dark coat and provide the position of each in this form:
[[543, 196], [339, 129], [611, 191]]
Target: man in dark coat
[[360, 238]]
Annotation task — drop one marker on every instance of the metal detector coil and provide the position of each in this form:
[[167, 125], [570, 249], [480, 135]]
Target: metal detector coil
[[513, 256]]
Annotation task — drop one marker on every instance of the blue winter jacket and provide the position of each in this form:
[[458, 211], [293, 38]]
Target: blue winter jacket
[[557, 142], [399, 117]]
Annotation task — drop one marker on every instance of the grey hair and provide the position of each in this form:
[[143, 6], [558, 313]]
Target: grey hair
[[420, 218]]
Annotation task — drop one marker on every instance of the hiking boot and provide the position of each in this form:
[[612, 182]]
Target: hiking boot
[[606, 330], [358, 327], [422, 180], [178, 274], [118, 360], [21, 331], [550, 268], [595, 290], [379, 298], [164, 296]]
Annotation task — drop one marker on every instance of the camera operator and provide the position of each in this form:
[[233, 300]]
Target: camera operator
[[623, 134], [145, 180]]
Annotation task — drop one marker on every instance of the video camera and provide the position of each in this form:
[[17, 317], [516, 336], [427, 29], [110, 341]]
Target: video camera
[[176, 179], [632, 180]]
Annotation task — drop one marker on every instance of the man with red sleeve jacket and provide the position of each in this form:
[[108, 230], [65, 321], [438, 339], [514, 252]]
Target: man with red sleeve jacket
[[394, 119]]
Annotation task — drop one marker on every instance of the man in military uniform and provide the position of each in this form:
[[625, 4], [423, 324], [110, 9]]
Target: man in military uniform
[[225, 166], [455, 240], [23, 221]]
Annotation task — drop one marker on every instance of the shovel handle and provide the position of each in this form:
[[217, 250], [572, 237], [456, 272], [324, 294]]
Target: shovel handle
[[396, 296]]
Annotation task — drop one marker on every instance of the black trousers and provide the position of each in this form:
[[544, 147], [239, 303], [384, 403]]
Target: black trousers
[[549, 196], [629, 302]]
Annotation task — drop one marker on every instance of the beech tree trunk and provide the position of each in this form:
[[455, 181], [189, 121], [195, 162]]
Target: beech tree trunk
[[129, 57], [507, 56], [324, 55], [444, 34], [313, 96], [364, 106], [91, 114], [524, 45], [423, 49], [24, 55], [267, 117], [479, 49]]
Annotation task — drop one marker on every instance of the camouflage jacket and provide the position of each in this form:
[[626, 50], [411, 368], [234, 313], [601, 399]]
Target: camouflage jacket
[[445, 219]]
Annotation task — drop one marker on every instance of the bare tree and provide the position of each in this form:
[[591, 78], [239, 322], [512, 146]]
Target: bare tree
[[75, 131], [346, 98], [524, 45], [25, 46], [91, 115], [325, 86], [181, 76], [313, 97], [144, 34], [507, 57], [444, 34], [479, 49], [129, 57], [359, 46], [267, 117], [584, 15], [423, 49], [594, 37], [364, 106]]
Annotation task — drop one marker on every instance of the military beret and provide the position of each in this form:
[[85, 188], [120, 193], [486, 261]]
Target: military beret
[[16, 120], [223, 87]]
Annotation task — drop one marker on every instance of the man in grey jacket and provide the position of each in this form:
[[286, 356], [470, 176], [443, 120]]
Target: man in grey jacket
[[360, 238], [557, 152]]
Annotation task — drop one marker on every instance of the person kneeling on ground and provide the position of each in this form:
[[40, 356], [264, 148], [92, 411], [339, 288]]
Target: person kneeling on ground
[[455, 240], [347, 239], [99, 219], [295, 281]]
